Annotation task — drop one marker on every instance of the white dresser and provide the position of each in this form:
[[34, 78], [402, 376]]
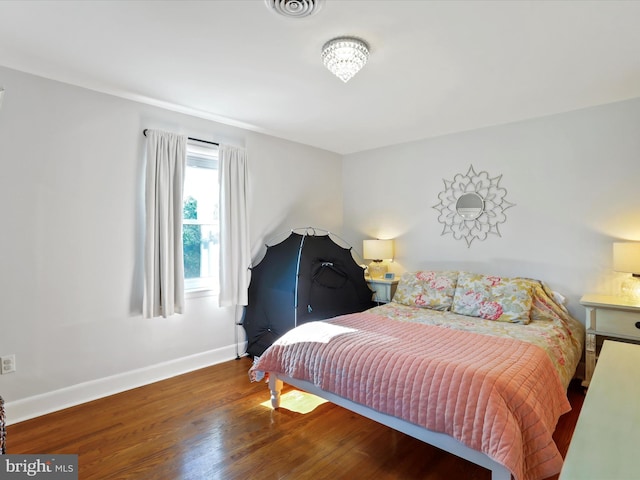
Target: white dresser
[[605, 442]]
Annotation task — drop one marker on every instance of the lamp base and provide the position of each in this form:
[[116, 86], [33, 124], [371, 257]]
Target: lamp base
[[377, 269], [631, 289]]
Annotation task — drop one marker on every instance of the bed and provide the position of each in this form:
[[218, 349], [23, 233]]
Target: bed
[[475, 365]]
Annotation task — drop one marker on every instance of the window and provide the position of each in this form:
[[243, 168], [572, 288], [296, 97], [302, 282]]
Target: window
[[200, 231]]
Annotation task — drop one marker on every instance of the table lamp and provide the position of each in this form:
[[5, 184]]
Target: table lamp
[[626, 258], [377, 250]]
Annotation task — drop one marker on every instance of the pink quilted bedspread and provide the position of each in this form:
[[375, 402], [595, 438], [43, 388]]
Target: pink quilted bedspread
[[497, 395]]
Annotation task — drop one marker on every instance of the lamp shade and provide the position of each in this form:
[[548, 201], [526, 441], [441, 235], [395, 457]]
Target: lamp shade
[[626, 257], [377, 249]]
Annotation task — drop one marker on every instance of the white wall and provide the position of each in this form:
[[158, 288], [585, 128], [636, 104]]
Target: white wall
[[573, 177], [71, 190]]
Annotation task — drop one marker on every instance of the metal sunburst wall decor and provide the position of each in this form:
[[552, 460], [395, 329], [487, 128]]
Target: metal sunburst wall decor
[[472, 206]]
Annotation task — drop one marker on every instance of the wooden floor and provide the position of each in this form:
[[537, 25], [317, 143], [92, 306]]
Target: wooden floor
[[215, 424]]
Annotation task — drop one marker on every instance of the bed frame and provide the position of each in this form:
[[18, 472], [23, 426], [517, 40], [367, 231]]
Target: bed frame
[[440, 440]]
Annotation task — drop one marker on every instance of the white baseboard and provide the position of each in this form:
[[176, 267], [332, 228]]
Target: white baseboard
[[31, 407]]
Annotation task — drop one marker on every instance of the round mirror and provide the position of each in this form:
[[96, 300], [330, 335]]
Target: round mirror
[[470, 206]]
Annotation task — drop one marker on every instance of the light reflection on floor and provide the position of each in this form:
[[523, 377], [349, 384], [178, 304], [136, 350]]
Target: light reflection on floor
[[297, 401]]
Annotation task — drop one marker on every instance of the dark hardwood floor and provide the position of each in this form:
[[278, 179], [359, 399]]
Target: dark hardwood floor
[[214, 424]]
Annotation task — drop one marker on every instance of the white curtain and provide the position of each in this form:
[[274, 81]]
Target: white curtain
[[235, 251], [164, 269]]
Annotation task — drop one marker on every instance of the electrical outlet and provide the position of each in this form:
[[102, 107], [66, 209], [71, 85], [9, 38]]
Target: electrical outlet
[[7, 364]]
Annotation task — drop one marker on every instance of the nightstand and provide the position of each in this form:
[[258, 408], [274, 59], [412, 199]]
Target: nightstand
[[608, 316], [383, 290]]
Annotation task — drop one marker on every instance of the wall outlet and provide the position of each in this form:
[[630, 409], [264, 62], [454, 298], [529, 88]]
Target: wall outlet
[[7, 364]]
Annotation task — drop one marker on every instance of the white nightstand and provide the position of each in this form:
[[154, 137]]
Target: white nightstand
[[383, 290], [608, 316]]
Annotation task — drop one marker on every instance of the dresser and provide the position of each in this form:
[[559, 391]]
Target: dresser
[[607, 316], [606, 438]]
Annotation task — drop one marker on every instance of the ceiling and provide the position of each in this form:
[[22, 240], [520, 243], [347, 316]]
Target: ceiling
[[436, 67]]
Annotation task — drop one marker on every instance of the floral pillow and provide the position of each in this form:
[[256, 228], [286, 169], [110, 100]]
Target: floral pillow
[[493, 298], [427, 289]]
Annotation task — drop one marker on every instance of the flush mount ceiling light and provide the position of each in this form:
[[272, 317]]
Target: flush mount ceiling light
[[294, 8], [345, 56]]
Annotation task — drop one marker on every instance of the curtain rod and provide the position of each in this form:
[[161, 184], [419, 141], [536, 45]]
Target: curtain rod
[[144, 132]]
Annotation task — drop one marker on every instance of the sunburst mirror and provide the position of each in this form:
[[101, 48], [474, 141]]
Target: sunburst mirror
[[472, 206]]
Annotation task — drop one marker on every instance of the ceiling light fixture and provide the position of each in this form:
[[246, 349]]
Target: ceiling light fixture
[[345, 56]]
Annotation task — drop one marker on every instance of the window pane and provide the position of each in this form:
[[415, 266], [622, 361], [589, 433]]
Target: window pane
[[200, 229], [210, 250]]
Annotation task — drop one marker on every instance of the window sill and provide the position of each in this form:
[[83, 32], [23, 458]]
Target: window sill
[[195, 293]]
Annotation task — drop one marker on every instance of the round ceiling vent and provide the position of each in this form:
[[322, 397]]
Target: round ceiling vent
[[294, 8]]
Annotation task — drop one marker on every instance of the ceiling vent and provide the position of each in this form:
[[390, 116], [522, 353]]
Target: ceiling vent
[[294, 8]]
